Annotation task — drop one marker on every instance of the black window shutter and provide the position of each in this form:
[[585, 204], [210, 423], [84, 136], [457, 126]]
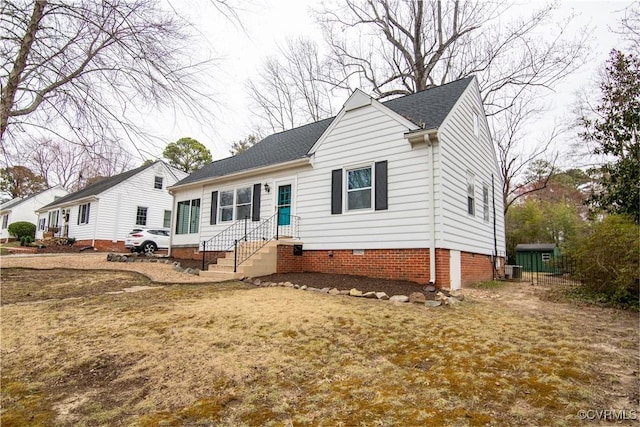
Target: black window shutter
[[336, 191], [214, 208], [255, 207], [381, 186]]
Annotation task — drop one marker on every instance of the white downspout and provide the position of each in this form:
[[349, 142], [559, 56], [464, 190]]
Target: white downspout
[[431, 139], [95, 227]]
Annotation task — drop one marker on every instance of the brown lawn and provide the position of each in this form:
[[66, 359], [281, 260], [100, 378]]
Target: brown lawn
[[231, 355]]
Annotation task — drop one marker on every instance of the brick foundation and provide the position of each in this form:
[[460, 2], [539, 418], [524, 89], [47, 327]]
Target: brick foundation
[[103, 245], [401, 264], [190, 252]]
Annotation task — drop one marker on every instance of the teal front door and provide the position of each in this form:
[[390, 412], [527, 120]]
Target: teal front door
[[284, 204]]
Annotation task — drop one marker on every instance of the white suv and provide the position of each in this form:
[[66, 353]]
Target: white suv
[[147, 240]]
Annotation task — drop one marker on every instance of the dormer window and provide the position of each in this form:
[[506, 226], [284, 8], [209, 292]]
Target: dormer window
[[158, 183]]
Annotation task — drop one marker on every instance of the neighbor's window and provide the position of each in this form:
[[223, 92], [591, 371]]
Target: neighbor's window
[[243, 203], [5, 221], [157, 183], [546, 257], [471, 202], [141, 216], [188, 218], [166, 222], [226, 206], [83, 213], [485, 202], [54, 218], [42, 223], [359, 188]]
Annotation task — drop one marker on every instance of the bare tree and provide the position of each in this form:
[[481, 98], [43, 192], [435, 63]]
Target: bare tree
[[292, 89], [72, 165], [394, 48], [85, 71], [629, 27]]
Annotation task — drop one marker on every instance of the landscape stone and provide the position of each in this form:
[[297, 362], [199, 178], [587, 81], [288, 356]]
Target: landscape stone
[[430, 288], [324, 290], [344, 292], [369, 295], [334, 291], [355, 293], [399, 298], [440, 296], [417, 298], [382, 295], [430, 303], [257, 282], [303, 287], [451, 301]]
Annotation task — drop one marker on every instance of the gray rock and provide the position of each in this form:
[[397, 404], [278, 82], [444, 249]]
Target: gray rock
[[440, 296], [296, 286], [417, 298], [430, 303], [257, 282], [369, 295], [451, 301], [334, 291], [312, 289], [178, 268], [382, 295], [110, 257], [399, 298], [430, 288], [303, 287], [287, 285], [325, 290], [344, 292], [355, 293]]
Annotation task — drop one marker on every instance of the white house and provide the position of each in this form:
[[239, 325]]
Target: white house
[[102, 214], [24, 209], [408, 189]]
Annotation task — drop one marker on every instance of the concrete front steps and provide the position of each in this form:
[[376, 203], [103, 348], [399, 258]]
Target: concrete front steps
[[262, 263]]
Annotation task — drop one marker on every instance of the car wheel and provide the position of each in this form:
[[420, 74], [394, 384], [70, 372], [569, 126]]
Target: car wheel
[[149, 247]]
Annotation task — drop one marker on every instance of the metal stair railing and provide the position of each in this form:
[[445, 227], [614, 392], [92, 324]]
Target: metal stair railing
[[280, 224], [223, 241]]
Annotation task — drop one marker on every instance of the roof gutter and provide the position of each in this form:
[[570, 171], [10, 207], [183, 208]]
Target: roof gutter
[[92, 198], [242, 174], [430, 138]]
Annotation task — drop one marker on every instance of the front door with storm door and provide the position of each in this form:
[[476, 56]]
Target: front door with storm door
[[284, 210]]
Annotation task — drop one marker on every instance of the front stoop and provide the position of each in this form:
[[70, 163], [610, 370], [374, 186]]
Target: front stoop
[[262, 263]]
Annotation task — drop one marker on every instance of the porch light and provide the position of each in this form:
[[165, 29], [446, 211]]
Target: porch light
[[267, 188]]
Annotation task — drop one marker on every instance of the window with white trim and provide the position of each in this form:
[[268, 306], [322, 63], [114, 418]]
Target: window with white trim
[[188, 217], [54, 218], [243, 203], [42, 224], [546, 257], [235, 204], [485, 202], [476, 124], [5, 221], [471, 199], [157, 182], [226, 206], [359, 186], [83, 213], [166, 222], [141, 216]]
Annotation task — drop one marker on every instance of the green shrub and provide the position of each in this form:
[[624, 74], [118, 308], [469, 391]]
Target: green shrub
[[22, 229], [23, 241], [608, 260], [28, 241]]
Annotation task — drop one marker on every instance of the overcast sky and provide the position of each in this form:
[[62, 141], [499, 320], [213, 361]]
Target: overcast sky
[[267, 24]]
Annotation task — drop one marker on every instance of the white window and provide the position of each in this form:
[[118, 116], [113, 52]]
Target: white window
[[359, 185], [5, 221], [485, 202], [83, 213], [42, 224], [166, 222], [238, 201], [546, 257], [243, 203], [471, 202], [141, 216], [188, 219], [157, 183], [226, 206], [54, 218]]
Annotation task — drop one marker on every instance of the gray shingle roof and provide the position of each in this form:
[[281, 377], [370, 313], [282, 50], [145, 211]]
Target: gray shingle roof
[[535, 247], [428, 108], [98, 187], [13, 202]]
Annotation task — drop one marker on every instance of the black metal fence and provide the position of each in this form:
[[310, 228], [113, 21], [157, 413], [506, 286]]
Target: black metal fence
[[557, 270]]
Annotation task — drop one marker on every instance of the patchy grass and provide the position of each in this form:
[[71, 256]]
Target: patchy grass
[[228, 355]]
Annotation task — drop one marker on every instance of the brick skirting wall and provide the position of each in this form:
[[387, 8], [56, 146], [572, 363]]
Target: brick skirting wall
[[401, 264], [103, 245]]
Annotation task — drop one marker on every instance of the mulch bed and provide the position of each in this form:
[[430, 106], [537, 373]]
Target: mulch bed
[[344, 281]]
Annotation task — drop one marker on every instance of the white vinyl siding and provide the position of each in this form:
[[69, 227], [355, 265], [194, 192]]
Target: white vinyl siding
[[461, 152]]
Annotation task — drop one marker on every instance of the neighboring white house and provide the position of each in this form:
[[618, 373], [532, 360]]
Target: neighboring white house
[[102, 214], [408, 189], [24, 209]]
